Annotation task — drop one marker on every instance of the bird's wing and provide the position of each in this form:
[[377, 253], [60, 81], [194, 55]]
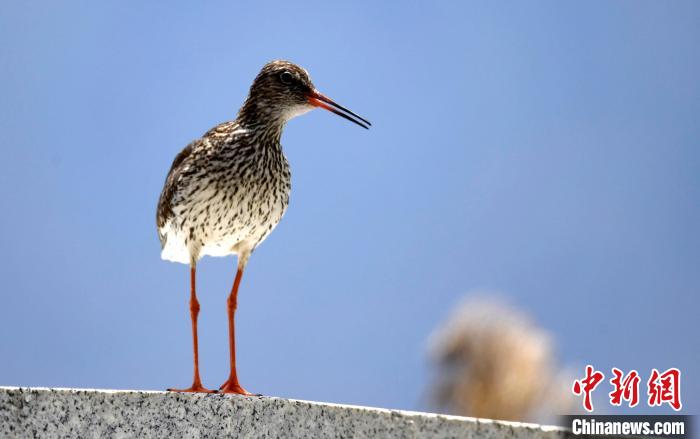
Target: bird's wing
[[179, 171], [165, 211]]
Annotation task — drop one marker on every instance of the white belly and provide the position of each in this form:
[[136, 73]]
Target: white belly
[[221, 230]]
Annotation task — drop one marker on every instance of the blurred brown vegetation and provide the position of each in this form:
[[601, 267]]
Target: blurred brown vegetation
[[492, 361]]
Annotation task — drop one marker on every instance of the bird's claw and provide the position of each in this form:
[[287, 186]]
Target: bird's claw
[[193, 389], [235, 389]]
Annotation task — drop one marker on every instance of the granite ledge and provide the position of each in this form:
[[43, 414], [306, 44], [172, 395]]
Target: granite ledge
[[86, 413]]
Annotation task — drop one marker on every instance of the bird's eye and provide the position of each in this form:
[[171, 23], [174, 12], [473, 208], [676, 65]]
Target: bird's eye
[[286, 77]]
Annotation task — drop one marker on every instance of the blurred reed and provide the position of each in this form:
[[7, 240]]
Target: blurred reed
[[492, 361]]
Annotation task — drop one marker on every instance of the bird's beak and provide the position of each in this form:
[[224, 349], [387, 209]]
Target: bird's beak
[[319, 100]]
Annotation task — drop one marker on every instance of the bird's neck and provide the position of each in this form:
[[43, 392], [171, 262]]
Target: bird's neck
[[267, 124]]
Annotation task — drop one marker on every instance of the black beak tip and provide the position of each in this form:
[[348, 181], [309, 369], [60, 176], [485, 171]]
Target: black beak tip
[[320, 100]]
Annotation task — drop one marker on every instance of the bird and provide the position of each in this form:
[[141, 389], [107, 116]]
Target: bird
[[226, 191]]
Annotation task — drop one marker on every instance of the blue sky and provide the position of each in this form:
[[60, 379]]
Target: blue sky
[[549, 151]]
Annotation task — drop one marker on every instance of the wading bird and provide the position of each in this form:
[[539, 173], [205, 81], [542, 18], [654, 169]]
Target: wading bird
[[226, 191]]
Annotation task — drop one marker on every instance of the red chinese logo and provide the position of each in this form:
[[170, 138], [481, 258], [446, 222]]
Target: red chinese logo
[[662, 388], [625, 387], [587, 385], [665, 387]]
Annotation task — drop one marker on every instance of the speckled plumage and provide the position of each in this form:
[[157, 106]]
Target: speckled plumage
[[224, 195], [226, 191]]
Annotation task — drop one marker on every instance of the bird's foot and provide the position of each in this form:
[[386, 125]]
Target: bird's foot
[[194, 388], [235, 388]]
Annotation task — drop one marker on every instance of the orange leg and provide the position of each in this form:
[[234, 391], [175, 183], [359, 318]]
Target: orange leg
[[231, 385], [194, 312]]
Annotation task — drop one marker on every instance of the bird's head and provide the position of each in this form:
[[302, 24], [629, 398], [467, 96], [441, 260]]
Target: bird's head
[[283, 90]]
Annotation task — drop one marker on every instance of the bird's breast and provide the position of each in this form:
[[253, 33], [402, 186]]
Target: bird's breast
[[245, 202]]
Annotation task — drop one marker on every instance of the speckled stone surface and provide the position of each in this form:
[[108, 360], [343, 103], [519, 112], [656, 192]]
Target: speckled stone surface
[[58, 413]]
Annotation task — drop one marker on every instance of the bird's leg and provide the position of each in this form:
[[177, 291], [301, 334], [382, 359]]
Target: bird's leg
[[194, 313], [231, 385]]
